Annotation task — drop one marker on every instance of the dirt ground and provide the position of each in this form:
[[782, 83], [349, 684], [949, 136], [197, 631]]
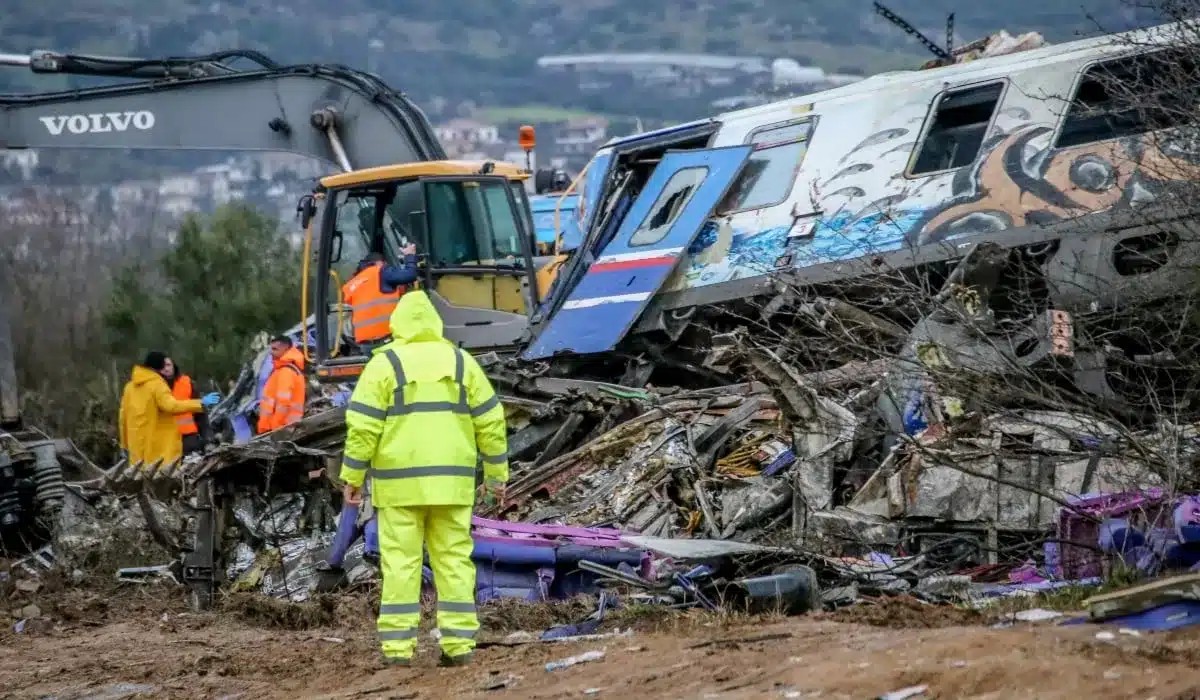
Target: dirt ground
[[141, 642]]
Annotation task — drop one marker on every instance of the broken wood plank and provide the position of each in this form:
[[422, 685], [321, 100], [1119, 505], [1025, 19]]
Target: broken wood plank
[[1144, 597]]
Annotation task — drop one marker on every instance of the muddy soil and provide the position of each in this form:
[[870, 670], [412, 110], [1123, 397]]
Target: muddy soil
[[141, 642]]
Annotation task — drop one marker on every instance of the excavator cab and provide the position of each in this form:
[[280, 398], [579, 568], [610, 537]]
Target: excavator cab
[[475, 244]]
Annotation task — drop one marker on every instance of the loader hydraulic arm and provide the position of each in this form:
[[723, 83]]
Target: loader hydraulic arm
[[333, 113]]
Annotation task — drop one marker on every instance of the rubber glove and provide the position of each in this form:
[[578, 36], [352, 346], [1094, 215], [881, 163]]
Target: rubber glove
[[210, 400], [493, 492]]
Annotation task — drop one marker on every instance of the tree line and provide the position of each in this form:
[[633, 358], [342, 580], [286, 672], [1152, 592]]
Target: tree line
[[89, 293]]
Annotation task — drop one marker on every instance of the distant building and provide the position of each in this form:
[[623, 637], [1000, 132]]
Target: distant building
[[671, 74], [580, 137], [725, 81], [468, 131]]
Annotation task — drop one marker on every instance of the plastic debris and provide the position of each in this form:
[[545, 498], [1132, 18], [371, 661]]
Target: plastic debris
[[1037, 615], [574, 660], [914, 691]]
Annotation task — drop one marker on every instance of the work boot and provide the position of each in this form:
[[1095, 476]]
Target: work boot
[[460, 660]]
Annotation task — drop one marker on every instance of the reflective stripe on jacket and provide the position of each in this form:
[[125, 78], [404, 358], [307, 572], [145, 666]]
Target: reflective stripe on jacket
[[182, 390], [284, 394], [423, 417], [370, 306]]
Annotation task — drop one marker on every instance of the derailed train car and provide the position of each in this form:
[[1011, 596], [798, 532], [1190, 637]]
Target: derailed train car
[[1069, 158]]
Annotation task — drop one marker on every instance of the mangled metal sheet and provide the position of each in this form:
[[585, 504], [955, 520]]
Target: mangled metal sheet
[[700, 549], [1015, 473]]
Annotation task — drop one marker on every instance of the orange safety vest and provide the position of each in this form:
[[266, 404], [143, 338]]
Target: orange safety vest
[[284, 394], [182, 391], [370, 308]]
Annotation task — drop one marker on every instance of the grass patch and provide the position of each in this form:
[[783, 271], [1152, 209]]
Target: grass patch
[[264, 611], [906, 612], [1068, 598], [506, 615]]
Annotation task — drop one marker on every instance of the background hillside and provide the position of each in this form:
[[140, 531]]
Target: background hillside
[[485, 51], [478, 58]]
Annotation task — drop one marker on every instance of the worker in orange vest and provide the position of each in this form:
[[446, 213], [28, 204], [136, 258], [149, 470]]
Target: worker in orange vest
[[373, 292], [283, 397], [183, 389]]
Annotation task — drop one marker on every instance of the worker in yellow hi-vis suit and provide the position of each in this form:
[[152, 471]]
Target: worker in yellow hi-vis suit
[[421, 421]]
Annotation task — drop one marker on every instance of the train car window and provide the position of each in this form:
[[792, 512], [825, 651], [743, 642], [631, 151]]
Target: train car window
[[960, 122], [669, 205], [1130, 96], [771, 169]]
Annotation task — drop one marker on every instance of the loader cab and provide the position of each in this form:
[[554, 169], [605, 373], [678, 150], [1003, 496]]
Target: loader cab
[[475, 241]]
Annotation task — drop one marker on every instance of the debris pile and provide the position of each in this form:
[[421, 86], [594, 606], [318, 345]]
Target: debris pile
[[34, 471], [798, 467], [942, 459]]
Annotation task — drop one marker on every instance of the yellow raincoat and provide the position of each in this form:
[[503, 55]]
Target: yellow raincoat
[[147, 418], [423, 419]]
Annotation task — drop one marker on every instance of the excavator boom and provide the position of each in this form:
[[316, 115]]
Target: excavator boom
[[333, 113]]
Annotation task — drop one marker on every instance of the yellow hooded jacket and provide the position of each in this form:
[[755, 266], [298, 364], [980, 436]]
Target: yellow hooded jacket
[[423, 417], [147, 418]]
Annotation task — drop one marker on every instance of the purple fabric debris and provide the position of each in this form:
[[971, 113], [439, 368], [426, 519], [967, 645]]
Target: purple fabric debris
[[1107, 530], [539, 562], [1165, 617], [371, 538], [1187, 513], [496, 582], [512, 554], [881, 559], [1162, 548], [347, 532], [242, 432], [781, 462], [532, 562], [1007, 589], [1079, 529], [1026, 573], [503, 527]]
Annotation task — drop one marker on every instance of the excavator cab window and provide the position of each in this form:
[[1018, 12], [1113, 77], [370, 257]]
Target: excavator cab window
[[473, 237], [478, 243], [473, 223], [355, 212]]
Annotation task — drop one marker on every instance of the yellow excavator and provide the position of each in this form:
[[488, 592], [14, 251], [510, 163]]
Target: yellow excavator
[[470, 221]]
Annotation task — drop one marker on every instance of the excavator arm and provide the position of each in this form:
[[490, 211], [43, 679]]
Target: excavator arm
[[333, 113]]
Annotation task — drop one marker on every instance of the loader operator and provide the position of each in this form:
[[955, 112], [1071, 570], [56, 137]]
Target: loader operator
[[373, 292], [422, 419]]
